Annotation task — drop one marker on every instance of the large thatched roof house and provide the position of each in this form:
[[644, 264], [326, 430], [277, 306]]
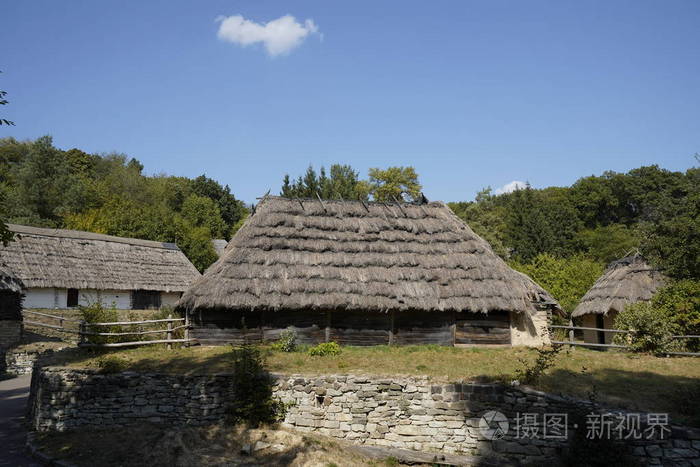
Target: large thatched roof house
[[66, 268], [625, 281], [364, 273], [11, 294]]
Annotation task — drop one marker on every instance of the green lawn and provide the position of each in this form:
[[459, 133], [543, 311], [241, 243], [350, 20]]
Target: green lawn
[[631, 381]]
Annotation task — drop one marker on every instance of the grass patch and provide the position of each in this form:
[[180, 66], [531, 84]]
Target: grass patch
[[628, 381]]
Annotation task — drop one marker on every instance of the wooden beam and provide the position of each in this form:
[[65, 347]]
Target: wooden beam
[[399, 205], [321, 201]]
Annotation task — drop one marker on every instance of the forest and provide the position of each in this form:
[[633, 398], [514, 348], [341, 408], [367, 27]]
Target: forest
[[562, 237], [43, 186]]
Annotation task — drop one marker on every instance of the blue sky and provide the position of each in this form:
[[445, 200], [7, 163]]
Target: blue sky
[[470, 93]]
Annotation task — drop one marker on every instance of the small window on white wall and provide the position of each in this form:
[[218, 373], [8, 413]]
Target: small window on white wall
[[145, 299], [72, 298]]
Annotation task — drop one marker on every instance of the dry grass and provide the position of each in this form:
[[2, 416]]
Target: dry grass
[[622, 380]]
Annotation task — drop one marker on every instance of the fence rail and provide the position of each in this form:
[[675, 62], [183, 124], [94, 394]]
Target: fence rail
[[572, 342], [85, 330]]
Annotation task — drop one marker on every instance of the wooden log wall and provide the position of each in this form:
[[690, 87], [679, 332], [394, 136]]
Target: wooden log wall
[[480, 328], [358, 328]]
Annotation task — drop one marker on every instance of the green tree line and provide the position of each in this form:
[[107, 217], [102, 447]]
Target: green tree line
[[44, 186]]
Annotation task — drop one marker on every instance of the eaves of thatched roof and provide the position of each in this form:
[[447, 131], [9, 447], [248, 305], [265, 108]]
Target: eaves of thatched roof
[[625, 281], [83, 260], [349, 255], [8, 281]]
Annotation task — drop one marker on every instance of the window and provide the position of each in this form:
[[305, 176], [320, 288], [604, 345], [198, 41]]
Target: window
[[72, 298], [145, 299]]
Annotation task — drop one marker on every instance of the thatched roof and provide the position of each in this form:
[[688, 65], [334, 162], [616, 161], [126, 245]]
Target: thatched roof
[[627, 280], [307, 254], [8, 281], [84, 260]]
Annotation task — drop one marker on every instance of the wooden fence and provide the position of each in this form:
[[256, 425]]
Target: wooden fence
[[572, 342], [86, 330]]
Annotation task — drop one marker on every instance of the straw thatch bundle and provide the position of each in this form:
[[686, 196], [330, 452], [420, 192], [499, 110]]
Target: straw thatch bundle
[[625, 281], [46, 258], [348, 255]]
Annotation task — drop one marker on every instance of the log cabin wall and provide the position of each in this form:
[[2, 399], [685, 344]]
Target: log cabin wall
[[357, 328]]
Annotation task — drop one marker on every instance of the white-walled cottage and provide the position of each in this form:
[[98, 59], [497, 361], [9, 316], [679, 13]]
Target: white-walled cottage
[[66, 268]]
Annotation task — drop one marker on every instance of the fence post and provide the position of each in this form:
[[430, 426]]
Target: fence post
[[81, 332], [170, 331], [187, 328], [571, 333]]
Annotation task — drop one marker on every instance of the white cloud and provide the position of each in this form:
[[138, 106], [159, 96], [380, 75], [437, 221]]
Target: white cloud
[[511, 187], [279, 36]]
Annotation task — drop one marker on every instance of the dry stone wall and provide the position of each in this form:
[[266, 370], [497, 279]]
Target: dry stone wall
[[409, 413]]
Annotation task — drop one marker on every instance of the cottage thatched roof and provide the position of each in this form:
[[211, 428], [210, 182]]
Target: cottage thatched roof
[[627, 280], [307, 254], [8, 281], [85, 260]]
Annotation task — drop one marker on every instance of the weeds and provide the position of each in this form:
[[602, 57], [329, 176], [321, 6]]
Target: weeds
[[532, 372], [287, 341], [324, 349]]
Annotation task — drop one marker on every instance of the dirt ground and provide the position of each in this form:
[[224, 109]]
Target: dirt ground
[[218, 445]]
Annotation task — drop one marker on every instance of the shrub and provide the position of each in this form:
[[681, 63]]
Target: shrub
[[532, 372], [324, 349], [98, 313], [652, 329], [681, 302], [287, 341], [253, 400]]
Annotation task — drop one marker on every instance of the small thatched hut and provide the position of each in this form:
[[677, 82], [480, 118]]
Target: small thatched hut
[[625, 281], [11, 294], [364, 274], [67, 268]]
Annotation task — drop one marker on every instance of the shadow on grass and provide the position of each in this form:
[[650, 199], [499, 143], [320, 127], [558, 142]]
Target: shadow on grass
[[632, 390]]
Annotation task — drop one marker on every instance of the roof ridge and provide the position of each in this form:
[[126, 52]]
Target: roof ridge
[[83, 235], [347, 201]]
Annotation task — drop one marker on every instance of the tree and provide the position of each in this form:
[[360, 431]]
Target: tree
[[486, 217], [528, 229], [567, 279], [606, 243], [394, 183], [231, 209], [203, 212], [671, 238], [343, 183]]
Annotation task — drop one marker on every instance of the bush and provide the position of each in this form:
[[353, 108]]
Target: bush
[[98, 313], [253, 400], [287, 341], [326, 348], [652, 329], [681, 302]]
